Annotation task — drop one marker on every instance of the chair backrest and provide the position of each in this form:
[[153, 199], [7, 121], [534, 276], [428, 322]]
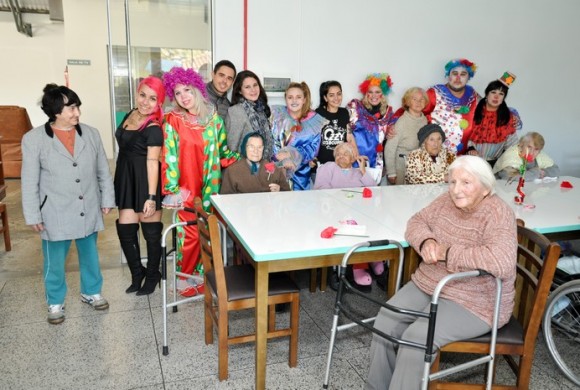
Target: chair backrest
[[537, 260], [211, 247]]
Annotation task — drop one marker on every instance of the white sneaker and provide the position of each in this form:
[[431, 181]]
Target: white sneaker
[[55, 314], [96, 301]]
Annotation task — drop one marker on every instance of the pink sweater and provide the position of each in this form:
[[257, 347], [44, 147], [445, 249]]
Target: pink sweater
[[330, 175], [484, 238]]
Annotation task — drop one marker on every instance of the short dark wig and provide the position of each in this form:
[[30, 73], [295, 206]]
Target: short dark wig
[[55, 98], [503, 112]]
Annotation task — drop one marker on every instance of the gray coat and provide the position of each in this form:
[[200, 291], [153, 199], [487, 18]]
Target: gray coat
[[237, 126], [64, 192]]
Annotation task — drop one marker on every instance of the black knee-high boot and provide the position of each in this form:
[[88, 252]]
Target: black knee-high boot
[[128, 236], [152, 233]]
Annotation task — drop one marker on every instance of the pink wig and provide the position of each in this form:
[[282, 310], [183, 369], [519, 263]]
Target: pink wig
[[182, 76], [157, 86]]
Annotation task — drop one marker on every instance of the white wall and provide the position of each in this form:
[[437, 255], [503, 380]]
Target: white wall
[[412, 40], [326, 39], [28, 64]]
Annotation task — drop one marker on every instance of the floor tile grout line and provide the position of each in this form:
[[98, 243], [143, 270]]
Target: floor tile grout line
[[158, 349]]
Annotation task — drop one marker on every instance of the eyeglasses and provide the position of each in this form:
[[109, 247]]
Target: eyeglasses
[[253, 148]]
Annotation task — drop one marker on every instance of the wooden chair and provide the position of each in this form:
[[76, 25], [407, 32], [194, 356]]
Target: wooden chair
[[537, 260], [5, 229], [233, 288]]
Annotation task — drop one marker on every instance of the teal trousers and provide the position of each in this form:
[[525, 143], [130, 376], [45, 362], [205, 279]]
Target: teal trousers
[[55, 253]]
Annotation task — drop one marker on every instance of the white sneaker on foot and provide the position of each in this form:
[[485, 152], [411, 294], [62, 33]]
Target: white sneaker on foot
[[96, 301], [55, 314]]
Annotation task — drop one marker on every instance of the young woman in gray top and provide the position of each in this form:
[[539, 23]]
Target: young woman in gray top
[[249, 113]]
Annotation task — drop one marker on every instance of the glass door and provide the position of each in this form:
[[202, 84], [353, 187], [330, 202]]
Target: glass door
[[149, 37]]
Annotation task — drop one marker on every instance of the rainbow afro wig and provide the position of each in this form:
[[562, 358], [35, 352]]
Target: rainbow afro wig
[[382, 80], [464, 63]]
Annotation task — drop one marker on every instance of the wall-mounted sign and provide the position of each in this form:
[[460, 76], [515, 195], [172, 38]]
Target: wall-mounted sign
[[276, 84], [78, 62]]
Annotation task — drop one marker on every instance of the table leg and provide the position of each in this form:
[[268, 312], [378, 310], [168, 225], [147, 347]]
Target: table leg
[[261, 323], [393, 270], [411, 263]]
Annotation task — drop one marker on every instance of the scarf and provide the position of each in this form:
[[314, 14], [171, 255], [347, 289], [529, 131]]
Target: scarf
[[259, 122], [253, 167]]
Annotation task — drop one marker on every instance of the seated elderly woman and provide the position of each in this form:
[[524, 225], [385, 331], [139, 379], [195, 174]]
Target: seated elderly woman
[[529, 150], [467, 228], [252, 173], [341, 174], [429, 163]]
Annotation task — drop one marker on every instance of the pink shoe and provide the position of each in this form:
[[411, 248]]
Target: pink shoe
[[361, 277], [378, 268]]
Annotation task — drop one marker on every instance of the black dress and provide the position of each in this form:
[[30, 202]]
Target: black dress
[[131, 183]]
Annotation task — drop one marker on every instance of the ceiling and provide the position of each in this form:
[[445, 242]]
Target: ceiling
[[53, 8], [26, 6], [18, 7]]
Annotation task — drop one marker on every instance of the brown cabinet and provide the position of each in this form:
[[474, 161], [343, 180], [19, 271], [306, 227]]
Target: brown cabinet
[[14, 123], [2, 182]]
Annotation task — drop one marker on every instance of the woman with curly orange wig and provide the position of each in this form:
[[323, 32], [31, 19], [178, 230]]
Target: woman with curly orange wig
[[372, 119]]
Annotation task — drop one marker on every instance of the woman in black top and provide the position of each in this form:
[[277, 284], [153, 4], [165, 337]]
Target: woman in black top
[[336, 131], [137, 184]]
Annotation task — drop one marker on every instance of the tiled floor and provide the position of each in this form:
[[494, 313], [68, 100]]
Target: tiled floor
[[120, 348]]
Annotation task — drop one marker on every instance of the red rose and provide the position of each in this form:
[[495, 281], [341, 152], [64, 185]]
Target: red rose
[[328, 232], [270, 167]]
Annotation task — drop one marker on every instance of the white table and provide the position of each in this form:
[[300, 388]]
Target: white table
[[281, 231], [555, 211]]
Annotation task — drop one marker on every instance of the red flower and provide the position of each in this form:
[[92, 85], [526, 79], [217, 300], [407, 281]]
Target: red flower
[[328, 232], [270, 167], [379, 148]]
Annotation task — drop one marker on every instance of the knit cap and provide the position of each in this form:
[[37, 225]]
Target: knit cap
[[428, 129]]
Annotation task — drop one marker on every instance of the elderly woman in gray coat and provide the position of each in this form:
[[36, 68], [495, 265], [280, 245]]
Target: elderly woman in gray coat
[[66, 187]]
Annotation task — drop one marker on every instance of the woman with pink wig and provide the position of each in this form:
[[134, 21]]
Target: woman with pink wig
[[194, 151], [137, 184]]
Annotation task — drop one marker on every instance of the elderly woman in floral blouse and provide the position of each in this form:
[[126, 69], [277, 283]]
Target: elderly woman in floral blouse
[[429, 163]]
